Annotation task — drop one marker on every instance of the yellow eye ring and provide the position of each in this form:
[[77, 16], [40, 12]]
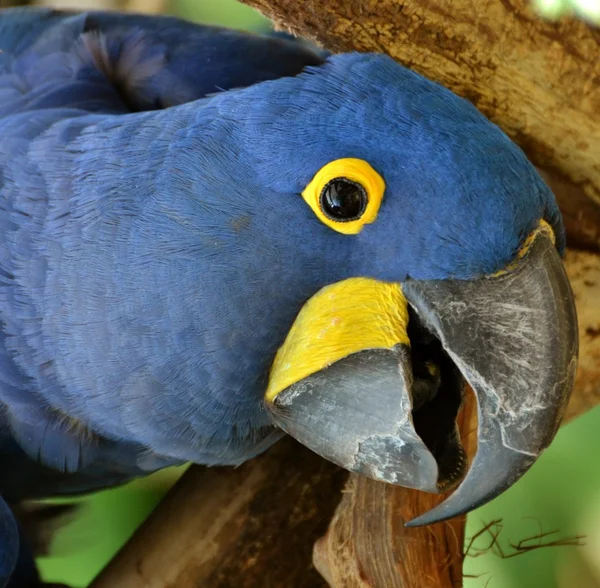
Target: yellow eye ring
[[345, 195]]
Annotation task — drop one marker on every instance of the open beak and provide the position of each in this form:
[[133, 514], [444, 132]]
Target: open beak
[[389, 410]]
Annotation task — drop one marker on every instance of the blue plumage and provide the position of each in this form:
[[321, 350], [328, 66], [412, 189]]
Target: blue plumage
[[57, 68], [154, 249], [9, 543]]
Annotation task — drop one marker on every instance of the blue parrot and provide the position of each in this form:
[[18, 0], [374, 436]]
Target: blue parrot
[[210, 238]]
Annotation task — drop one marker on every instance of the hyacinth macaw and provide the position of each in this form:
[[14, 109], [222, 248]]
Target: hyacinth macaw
[[210, 238]]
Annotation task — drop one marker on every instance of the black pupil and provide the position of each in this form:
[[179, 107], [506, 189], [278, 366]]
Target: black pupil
[[343, 200]]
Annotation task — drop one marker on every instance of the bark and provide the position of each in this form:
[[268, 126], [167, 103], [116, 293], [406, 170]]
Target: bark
[[582, 220], [583, 269], [253, 526], [367, 544]]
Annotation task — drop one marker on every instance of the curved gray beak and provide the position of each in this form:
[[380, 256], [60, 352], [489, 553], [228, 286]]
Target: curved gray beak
[[391, 413], [514, 339]]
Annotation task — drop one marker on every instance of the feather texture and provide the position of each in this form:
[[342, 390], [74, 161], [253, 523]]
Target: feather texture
[[154, 246]]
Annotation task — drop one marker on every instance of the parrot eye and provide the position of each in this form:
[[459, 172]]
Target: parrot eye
[[343, 200], [345, 195]]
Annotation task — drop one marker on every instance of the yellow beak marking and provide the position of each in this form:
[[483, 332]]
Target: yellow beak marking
[[339, 320]]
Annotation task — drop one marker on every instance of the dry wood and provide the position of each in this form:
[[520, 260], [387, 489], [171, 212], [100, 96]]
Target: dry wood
[[582, 221], [367, 544], [253, 526], [580, 214], [583, 269]]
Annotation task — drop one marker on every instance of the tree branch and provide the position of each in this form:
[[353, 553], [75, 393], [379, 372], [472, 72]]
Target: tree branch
[[252, 526], [583, 269], [367, 544]]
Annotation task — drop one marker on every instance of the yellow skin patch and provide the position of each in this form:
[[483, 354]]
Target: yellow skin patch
[[341, 319], [358, 171], [542, 229], [351, 316]]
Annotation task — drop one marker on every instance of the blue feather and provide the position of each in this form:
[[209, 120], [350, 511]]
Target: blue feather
[[154, 247], [57, 67], [9, 543]]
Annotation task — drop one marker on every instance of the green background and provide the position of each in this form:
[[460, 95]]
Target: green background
[[561, 492]]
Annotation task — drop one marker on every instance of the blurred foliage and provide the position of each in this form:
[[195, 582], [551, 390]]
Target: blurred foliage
[[105, 522], [553, 9], [560, 493], [220, 12]]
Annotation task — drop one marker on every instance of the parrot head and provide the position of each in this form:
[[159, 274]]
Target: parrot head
[[428, 253]]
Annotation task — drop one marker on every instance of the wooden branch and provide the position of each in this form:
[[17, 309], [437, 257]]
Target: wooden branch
[[253, 526], [583, 269], [582, 221], [580, 214], [540, 81], [367, 544], [146, 6]]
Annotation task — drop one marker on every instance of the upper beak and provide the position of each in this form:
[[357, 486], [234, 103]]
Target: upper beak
[[389, 413]]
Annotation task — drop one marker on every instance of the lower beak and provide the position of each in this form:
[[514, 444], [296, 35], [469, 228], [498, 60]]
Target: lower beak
[[390, 413]]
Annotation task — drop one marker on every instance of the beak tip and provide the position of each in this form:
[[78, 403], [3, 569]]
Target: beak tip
[[393, 460], [431, 517], [416, 522]]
